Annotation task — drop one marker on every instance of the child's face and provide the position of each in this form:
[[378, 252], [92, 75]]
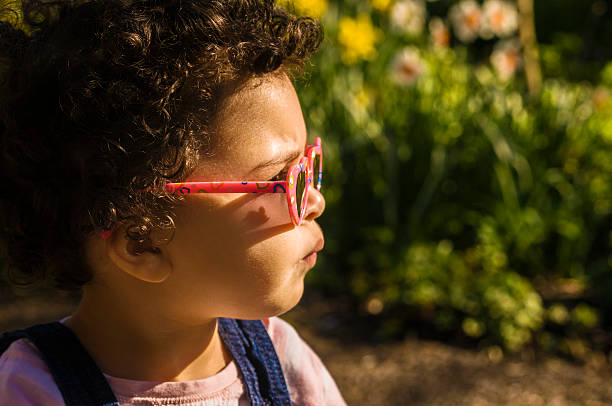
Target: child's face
[[239, 255]]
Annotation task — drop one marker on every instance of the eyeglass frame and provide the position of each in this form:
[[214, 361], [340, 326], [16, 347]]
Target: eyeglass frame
[[306, 165]]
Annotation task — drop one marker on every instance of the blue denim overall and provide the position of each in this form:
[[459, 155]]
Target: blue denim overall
[[81, 382]]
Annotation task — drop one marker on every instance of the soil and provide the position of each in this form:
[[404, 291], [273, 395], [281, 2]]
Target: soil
[[408, 372]]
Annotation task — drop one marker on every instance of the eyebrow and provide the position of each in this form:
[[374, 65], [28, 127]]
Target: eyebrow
[[282, 159]]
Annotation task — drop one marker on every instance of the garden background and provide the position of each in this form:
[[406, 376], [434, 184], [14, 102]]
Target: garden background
[[468, 180], [468, 168]]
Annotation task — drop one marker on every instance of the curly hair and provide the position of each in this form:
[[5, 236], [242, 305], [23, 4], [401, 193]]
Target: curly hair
[[102, 99]]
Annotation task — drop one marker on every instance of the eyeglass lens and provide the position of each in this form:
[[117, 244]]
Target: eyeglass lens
[[317, 171], [300, 188]]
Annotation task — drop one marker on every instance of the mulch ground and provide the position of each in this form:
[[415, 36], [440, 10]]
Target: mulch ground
[[410, 372]]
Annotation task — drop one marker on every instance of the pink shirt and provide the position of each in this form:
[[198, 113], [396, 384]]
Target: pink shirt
[[25, 379]]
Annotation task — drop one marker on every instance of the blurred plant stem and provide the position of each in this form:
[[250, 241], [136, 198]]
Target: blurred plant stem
[[529, 43], [391, 203], [428, 189]]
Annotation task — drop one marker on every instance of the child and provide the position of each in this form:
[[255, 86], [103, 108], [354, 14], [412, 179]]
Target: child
[[116, 117]]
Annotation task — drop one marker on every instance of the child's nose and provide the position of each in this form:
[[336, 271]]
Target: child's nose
[[316, 204]]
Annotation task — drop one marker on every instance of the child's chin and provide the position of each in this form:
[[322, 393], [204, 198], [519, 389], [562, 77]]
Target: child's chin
[[275, 306], [291, 304]]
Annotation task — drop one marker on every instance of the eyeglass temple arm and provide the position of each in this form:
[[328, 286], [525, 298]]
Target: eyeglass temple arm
[[227, 187]]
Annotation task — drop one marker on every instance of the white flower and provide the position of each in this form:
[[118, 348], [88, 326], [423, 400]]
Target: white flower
[[440, 35], [407, 66], [506, 58], [499, 18], [466, 18], [409, 16]]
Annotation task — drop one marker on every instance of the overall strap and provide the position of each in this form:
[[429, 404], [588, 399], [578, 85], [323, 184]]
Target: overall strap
[[253, 351], [77, 376]]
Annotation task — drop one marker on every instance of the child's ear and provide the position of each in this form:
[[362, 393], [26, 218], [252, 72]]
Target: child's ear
[[142, 260]]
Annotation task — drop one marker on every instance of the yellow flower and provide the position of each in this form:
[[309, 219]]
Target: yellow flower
[[380, 5], [358, 39], [310, 8], [363, 98]]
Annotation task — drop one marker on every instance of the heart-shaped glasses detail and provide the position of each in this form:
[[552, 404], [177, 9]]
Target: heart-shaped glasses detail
[[296, 185]]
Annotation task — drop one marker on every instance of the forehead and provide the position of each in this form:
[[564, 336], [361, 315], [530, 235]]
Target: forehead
[[259, 121]]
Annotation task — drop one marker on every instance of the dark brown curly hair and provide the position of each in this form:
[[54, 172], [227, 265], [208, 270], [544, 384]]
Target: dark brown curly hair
[[102, 99]]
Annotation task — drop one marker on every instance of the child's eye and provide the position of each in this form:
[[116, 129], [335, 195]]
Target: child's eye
[[280, 176]]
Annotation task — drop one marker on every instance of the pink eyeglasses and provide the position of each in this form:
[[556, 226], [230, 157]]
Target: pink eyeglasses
[[299, 177]]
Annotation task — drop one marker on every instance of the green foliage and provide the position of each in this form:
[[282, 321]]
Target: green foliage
[[454, 192]]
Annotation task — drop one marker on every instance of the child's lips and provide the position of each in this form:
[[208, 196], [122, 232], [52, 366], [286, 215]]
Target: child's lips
[[311, 258], [319, 246]]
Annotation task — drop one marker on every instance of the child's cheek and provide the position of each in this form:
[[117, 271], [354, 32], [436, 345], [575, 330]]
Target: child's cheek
[[262, 217], [238, 221], [265, 210]]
